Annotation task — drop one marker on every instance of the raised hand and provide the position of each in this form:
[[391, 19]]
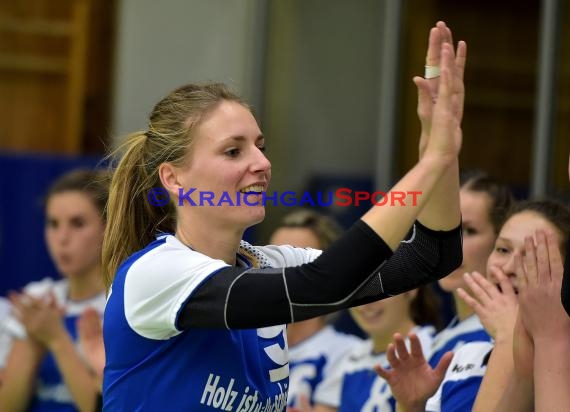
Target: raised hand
[[444, 138], [539, 275], [428, 86], [411, 378], [41, 316], [497, 309]]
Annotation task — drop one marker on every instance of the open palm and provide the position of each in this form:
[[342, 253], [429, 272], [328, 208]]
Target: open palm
[[411, 378]]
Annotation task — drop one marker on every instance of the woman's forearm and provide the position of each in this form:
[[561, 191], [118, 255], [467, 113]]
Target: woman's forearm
[[77, 377], [552, 374]]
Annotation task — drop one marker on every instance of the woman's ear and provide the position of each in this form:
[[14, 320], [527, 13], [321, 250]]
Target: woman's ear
[[170, 178]]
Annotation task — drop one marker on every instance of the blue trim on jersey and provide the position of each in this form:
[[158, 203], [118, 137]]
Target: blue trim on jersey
[[50, 406], [243, 260], [365, 388], [479, 335], [316, 366], [460, 395]]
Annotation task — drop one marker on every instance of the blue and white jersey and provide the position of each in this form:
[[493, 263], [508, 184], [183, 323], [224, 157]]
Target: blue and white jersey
[[5, 336], [311, 360], [455, 335], [462, 380], [355, 386], [51, 393], [153, 366]]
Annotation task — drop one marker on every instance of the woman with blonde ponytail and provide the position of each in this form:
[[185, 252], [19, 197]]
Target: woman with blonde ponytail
[[195, 316], [135, 221]]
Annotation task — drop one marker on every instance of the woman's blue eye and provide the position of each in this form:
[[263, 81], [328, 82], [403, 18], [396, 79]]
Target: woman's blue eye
[[232, 152]]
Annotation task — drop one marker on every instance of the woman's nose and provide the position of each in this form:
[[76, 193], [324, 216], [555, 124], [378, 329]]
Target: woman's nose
[[261, 163]]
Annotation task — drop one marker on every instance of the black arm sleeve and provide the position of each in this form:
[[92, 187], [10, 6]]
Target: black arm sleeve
[[356, 269]]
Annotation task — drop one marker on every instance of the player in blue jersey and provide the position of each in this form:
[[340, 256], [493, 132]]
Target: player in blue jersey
[[45, 371], [314, 345], [484, 204], [353, 386], [497, 307], [5, 336], [195, 315]]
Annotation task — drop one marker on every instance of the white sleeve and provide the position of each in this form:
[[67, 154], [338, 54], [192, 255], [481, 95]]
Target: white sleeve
[[434, 403], [160, 283], [287, 256], [465, 365]]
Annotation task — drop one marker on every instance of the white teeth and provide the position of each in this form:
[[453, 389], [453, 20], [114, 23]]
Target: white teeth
[[252, 188]]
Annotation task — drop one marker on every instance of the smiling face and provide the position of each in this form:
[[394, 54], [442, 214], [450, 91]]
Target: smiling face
[[384, 317], [478, 237], [74, 233], [227, 157], [511, 240]]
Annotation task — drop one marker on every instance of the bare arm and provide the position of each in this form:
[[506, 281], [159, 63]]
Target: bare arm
[[545, 319], [445, 198], [436, 174], [552, 374], [20, 375], [519, 393], [497, 310], [77, 377]]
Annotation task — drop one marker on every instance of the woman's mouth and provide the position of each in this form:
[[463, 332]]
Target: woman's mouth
[[255, 189]]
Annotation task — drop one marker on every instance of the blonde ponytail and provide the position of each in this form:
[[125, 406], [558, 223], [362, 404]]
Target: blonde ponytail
[[132, 220]]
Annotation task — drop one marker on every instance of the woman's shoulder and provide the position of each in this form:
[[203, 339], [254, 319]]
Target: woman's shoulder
[[166, 253]]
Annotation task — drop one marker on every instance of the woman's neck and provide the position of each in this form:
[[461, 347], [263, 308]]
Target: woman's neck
[[216, 242], [463, 310], [86, 285]]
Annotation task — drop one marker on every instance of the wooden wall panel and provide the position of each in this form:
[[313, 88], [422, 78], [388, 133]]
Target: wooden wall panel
[[50, 50], [502, 40]]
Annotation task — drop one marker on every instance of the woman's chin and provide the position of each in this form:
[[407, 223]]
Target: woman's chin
[[256, 214]]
